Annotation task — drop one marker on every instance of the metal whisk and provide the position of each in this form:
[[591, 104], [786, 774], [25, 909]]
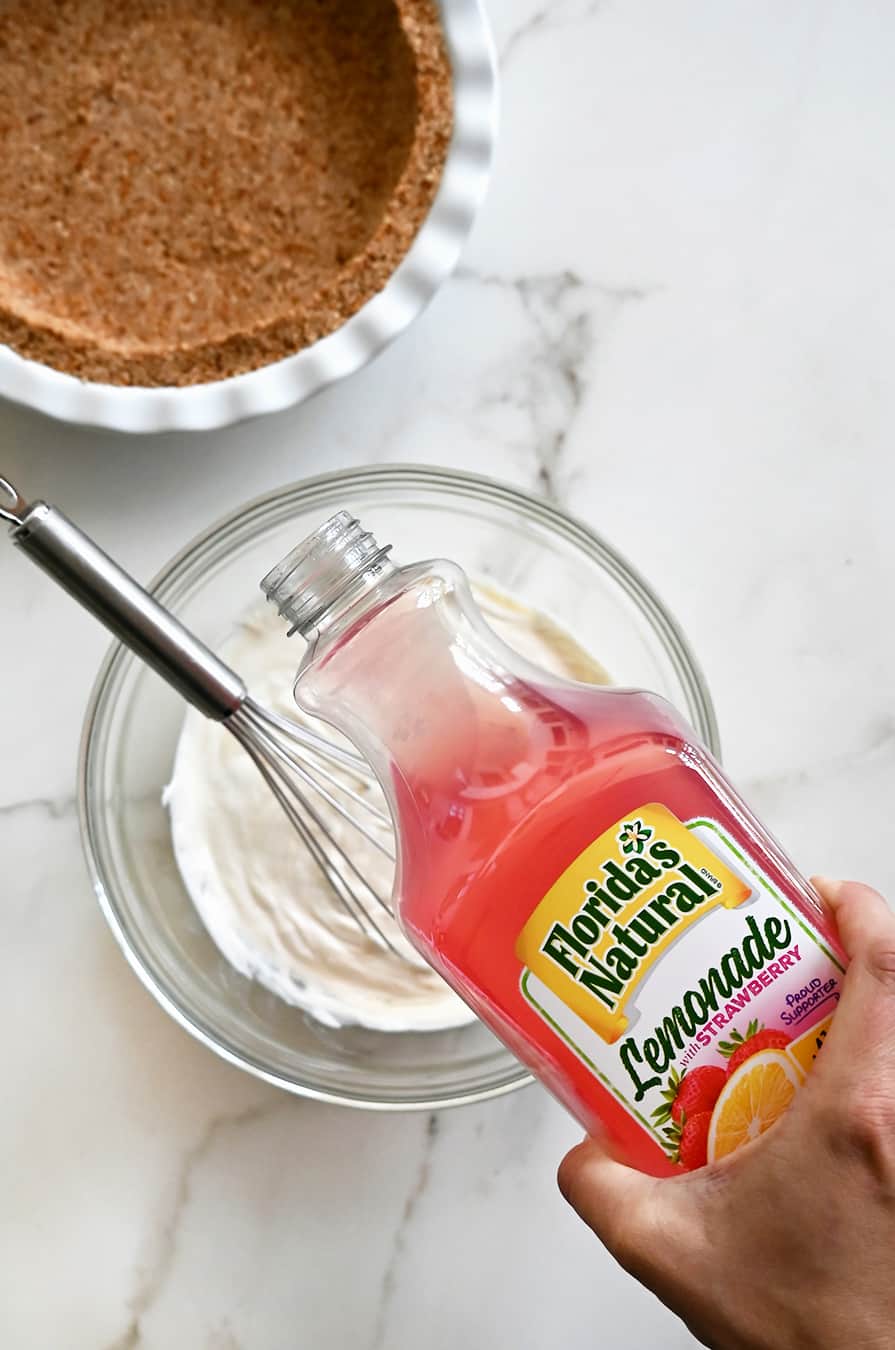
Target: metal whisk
[[291, 758]]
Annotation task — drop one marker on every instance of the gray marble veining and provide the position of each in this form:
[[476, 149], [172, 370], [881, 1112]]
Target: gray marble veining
[[676, 317]]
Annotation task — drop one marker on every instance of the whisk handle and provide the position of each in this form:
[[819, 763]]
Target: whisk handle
[[80, 567]]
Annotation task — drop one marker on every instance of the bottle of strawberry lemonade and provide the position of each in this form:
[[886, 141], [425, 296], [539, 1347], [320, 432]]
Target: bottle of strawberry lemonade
[[570, 860]]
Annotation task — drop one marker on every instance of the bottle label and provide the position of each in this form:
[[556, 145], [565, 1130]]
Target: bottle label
[[662, 950]]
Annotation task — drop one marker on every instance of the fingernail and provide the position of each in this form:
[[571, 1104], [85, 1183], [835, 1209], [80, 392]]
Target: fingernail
[[828, 887]]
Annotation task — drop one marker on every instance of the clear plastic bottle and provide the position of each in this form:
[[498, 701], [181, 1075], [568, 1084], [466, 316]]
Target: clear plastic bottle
[[570, 859]]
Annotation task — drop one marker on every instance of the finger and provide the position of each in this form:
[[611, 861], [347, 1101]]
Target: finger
[[862, 915], [864, 1025], [618, 1203]]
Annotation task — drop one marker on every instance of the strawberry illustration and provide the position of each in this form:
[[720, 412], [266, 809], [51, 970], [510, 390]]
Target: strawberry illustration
[[740, 1048], [692, 1151], [685, 1113], [699, 1090], [688, 1093]]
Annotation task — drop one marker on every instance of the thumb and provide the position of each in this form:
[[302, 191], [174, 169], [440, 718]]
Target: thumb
[[617, 1202], [864, 1026]]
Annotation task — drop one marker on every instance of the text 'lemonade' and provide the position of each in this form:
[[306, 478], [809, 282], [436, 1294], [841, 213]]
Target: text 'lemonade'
[[573, 863]]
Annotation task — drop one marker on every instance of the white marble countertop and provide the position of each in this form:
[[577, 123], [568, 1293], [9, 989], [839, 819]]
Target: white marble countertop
[[676, 316]]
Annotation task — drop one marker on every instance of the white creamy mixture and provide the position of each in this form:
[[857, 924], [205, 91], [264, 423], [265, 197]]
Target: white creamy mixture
[[259, 891]]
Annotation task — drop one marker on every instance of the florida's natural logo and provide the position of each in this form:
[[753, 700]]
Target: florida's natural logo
[[619, 906]]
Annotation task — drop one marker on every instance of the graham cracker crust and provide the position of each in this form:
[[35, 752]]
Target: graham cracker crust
[[195, 188]]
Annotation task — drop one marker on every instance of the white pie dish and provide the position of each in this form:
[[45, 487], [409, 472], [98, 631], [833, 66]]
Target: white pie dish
[[430, 260]]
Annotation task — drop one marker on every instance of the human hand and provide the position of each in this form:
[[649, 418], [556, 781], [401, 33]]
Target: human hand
[[791, 1240]]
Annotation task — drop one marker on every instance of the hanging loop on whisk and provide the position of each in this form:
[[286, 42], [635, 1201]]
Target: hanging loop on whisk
[[15, 511]]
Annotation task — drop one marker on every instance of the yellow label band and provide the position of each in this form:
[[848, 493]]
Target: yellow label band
[[808, 1046], [617, 908]]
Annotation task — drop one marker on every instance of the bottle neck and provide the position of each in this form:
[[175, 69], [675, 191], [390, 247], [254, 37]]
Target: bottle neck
[[329, 574], [368, 588]]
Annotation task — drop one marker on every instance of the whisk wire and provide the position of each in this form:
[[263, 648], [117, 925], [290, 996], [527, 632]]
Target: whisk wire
[[260, 718], [296, 807], [310, 740], [289, 763]]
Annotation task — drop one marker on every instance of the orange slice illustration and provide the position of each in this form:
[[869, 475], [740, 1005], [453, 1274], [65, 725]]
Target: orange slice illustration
[[755, 1096]]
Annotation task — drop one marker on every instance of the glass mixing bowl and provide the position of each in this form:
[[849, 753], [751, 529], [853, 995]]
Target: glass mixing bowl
[[520, 543]]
